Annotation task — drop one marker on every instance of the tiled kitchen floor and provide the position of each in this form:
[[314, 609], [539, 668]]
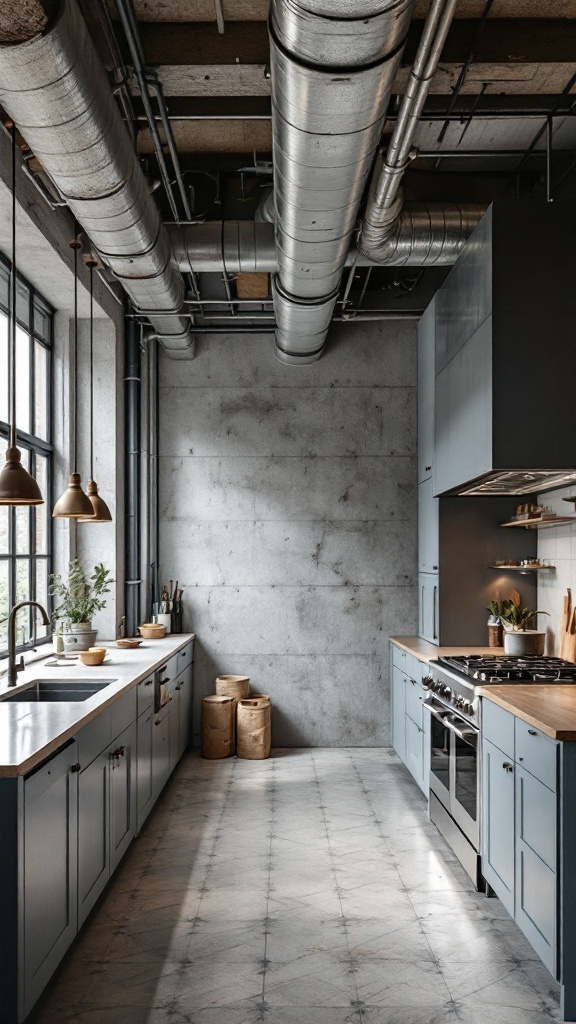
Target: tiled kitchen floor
[[306, 889]]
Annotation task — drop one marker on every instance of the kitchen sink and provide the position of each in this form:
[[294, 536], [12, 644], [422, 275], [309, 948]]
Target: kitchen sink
[[64, 690]]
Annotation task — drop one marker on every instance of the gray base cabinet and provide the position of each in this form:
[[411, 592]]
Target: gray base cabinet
[[68, 823], [528, 837], [410, 724], [49, 873]]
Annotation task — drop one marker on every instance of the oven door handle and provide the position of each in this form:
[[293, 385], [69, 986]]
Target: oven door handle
[[468, 735]]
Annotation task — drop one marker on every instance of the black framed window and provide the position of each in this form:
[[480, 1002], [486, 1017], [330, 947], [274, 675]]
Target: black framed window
[[25, 533]]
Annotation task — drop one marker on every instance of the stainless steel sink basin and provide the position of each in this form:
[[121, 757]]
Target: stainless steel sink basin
[[64, 690]]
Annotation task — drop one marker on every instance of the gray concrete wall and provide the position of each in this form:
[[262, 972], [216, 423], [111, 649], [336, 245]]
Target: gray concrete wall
[[288, 512]]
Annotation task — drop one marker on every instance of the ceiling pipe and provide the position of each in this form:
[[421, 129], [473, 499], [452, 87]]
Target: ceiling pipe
[[384, 228], [55, 88], [333, 65], [425, 235]]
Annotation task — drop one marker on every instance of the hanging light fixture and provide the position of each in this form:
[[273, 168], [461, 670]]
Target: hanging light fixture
[[17, 487], [101, 512], [74, 503]]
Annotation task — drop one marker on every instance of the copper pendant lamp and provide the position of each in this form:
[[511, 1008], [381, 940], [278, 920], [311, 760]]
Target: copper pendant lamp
[[74, 503], [100, 510], [17, 487]]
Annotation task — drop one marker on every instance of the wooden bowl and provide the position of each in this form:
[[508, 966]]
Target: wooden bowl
[[152, 630], [128, 643], [93, 656]]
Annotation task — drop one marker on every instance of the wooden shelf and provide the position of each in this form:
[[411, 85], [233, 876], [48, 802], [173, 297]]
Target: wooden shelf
[[540, 524], [522, 568]]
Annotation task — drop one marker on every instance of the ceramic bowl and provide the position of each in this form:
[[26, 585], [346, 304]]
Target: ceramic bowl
[[128, 643], [93, 656], [152, 630]]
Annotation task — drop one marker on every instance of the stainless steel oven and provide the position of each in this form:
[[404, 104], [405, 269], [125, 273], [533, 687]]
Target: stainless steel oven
[[454, 782]]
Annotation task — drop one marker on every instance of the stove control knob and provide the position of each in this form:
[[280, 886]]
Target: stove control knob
[[446, 692], [469, 709], [428, 683]]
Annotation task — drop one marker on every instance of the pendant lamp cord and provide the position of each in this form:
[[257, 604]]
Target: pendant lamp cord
[[13, 301], [91, 267], [75, 347]]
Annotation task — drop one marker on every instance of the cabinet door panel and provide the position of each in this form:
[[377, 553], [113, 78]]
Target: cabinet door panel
[[160, 750], [536, 816], [415, 759], [426, 383], [428, 616], [428, 529], [498, 823], [93, 847], [185, 709], [536, 903], [414, 701], [398, 715], [175, 723], [144, 781], [122, 794], [50, 870]]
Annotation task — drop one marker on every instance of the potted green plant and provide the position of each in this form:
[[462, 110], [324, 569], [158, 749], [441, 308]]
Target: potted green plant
[[518, 639], [494, 624], [81, 596]]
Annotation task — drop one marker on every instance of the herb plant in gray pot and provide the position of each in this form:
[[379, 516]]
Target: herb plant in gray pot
[[81, 596]]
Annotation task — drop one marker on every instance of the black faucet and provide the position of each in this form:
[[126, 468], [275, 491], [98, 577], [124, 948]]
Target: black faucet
[[15, 667]]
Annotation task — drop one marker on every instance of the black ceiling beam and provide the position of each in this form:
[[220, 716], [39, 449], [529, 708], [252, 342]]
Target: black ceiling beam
[[503, 41]]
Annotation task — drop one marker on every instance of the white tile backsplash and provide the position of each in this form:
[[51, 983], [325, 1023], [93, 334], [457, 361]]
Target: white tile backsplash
[[556, 544]]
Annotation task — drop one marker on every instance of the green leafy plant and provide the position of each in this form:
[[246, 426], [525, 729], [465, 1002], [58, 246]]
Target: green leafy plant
[[495, 610], [81, 596], [515, 615]]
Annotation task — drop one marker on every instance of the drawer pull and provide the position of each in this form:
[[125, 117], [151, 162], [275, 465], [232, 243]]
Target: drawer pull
[[520, 758], [532, 732], [164, 681], [75, 767], [427, 469], [119, 752], [507, 766]]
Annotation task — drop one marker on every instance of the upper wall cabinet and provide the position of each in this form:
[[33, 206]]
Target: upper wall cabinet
[[426, 360], [505, 417]]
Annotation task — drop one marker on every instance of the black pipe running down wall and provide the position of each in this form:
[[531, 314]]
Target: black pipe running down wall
[[133, 513]]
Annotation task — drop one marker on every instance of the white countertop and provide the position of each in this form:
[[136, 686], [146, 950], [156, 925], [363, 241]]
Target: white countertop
[[30, 732]]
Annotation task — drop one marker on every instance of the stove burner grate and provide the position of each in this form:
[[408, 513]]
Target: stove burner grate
[[510, 668]]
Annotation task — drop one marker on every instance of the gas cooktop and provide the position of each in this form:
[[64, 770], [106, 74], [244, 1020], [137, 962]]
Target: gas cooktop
[[512, 669]]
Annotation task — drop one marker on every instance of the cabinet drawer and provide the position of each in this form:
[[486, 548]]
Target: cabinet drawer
[[94, 738], [145, 694], [399, 657], [536, 753], [184, 658], [414, 699], [498, 727], [123, 712], [536, 816], [169, 670]]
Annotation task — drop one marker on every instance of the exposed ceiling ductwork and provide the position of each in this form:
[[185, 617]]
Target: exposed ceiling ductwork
[[55, 88], [332, 71]]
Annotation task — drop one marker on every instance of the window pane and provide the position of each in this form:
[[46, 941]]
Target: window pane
[[40, 402], [4, 609], [22, 594], [4, 285], [23, 530], [23, 303], [41, 320], [3, 367], [4, 510], [23, 379], [41, 511], [41, 596]]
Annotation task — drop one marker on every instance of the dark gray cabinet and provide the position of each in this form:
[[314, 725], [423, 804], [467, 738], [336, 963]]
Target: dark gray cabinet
[[160, 750], [122, 775], [185, 709], [144, 782], [426, 381], [49, 868], [93, 833]]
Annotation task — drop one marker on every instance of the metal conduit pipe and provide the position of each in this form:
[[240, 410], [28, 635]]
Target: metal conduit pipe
[[55, 88], [132, 496], [385, 198], [333, 64]]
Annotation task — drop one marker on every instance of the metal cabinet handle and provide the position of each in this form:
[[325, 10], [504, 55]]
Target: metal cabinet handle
[[75, 767], [532, 732], [164, 681], [507, 766], [149, 682], [119, 752], [434, 615], [426, 468], [435, 568]]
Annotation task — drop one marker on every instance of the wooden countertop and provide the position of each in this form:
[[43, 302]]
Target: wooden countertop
[[425, 651], [551, 707]]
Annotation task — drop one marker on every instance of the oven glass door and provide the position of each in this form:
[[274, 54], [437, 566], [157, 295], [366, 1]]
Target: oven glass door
[[440, 749], [464, 788]]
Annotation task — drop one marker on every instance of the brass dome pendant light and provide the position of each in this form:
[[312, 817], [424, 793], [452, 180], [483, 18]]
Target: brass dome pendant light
[[101, 512], [74, 503], [17, 487]]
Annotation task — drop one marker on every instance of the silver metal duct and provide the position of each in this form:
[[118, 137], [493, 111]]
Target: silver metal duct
[[55, 88], [385, 199], [333, 64], [426, 234]]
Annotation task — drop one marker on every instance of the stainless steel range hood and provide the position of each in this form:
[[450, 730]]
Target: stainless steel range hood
[[506, 355]]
